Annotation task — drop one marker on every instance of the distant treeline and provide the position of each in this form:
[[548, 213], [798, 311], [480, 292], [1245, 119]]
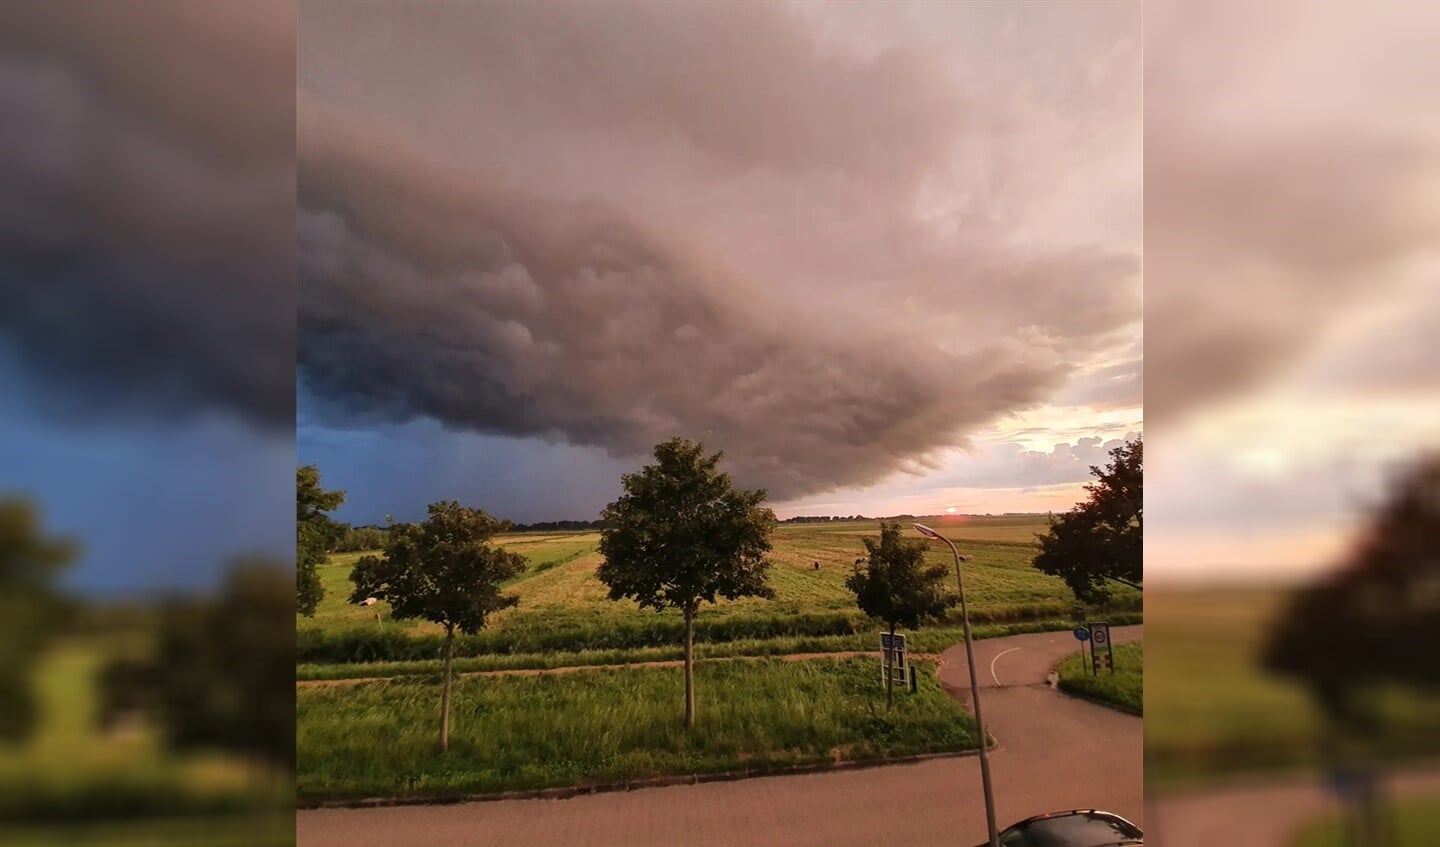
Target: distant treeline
[[552, 526], [900, 518], [350, 539]]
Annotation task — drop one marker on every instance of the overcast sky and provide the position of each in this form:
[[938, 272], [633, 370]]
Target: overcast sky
[[1291, 232], [886, 257]]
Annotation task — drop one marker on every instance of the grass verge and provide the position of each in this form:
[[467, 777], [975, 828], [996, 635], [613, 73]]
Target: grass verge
[[1416, 822], [236, 831], [606, 726], [1124, 689]]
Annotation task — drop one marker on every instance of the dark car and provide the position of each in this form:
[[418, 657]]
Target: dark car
[[1075, 828]]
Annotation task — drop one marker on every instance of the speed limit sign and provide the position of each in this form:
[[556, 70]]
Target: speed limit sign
[[1100, 643]]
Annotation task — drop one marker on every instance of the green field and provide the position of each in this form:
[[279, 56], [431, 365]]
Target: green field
[[1416, 822], [71, 782], [1124, 689], [604, 726], [1211, 710], [563, 606]]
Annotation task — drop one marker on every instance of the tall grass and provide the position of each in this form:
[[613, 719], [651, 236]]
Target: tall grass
[[514, 733]]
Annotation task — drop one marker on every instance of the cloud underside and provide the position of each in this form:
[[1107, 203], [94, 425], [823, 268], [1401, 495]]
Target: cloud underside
[[594, 256]]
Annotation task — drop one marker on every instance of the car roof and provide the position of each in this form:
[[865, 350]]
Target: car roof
[[1049, 815], [1126, 832]]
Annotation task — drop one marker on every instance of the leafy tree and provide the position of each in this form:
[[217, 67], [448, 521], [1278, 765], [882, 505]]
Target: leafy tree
[[1357, 629], [221, 672], [443, 570], [895, 586], [30, 610], [1355, 633], [681, 535], [314, 532], [1100, 539]]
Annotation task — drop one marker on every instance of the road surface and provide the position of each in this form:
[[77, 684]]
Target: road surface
[[1052, 752], [1260, 814]]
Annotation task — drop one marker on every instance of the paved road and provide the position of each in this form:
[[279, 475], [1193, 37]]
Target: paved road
[[1259, 814], [1053, 751]]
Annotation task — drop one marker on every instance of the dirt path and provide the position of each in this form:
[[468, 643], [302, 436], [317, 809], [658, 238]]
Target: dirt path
[[659, 663], [1053, 752]]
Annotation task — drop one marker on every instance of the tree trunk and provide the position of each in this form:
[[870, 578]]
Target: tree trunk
[[689, 668], [890, 672], [445, 693]]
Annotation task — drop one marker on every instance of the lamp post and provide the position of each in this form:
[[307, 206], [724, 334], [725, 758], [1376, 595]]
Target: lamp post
[[974, 684]]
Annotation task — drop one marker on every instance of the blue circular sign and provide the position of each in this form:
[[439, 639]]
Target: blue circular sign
[[1082, 634]]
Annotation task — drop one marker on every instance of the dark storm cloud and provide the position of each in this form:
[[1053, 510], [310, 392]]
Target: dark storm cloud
[[146, 219], [699, 220]]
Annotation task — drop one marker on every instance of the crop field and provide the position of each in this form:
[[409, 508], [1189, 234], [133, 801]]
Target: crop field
[[563, 606], [605, 726]]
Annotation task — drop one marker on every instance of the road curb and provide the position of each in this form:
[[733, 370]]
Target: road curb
[[633, 784]]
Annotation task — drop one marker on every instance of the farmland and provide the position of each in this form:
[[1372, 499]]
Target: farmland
[[371, 731], [564, 607]]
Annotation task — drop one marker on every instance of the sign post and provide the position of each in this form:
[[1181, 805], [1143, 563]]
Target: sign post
[[1082, 634], [1100, 639], [892, 658]]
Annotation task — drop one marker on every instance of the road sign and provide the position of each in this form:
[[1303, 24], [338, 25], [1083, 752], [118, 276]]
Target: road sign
[[1102, 652], [1082, 634], [892, 657]]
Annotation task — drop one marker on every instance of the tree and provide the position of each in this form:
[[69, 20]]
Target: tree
[[220, 674], [680, 535], [30, 609], [1099, 540], [443, 570], [314, 532], [1355, 633], [895, 586], [1357, 629]]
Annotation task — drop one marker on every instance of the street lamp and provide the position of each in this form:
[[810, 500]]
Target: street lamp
[[974, 683]]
